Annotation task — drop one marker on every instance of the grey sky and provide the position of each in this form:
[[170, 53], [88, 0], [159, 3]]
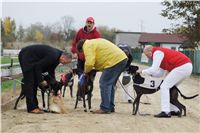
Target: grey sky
[[127, 16]]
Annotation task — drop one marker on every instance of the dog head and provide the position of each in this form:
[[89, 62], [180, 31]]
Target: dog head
[[66, 78], [56, 87], [137, 78], [132, 69], [52, 85]]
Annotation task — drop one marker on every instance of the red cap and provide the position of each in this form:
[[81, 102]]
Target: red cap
[[90, 19]]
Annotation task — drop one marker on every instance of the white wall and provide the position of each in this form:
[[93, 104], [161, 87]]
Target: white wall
[[171, 46]]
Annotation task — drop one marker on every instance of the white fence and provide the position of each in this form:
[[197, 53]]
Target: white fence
[[10, 69], [10, 52]]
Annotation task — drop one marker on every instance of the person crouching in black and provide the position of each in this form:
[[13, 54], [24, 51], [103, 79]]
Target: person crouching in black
[[34, 60]]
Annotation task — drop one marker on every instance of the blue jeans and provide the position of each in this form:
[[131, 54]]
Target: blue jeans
[[107, 83]]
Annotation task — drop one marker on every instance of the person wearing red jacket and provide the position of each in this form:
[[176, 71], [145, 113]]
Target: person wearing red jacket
[[177, 65], [87, 32]]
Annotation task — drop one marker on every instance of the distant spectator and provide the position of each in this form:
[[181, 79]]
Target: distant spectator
[[87, 32]]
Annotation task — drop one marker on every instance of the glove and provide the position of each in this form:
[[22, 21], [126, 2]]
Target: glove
[[82, 80]]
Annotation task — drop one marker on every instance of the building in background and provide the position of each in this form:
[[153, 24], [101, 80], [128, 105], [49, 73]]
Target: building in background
[[172, 41], [130, 38]]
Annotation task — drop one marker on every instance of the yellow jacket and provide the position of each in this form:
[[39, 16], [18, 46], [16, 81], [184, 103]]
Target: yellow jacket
[[101, 54]]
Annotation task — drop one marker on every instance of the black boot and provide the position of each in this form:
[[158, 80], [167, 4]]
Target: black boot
[[163, 115]]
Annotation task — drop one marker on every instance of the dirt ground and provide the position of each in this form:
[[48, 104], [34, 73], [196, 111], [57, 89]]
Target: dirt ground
[[17, 121]]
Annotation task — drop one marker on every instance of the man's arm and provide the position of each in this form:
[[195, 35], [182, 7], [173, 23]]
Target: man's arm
[[157, 59], [43, 63]]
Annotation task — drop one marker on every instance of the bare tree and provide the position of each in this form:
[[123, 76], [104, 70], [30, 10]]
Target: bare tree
[[67, 23]]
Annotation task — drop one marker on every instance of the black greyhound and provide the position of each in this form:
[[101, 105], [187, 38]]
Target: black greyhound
[[138, 79], [86, 89], [68, 80], [52, 87]]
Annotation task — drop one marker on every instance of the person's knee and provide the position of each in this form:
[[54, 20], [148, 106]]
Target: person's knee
[[165, 86]]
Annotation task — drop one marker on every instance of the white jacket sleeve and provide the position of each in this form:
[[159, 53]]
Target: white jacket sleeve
[[159, 73], [157, 59]]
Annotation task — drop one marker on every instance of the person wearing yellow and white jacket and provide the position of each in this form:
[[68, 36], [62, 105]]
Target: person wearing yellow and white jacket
[[103, 55]]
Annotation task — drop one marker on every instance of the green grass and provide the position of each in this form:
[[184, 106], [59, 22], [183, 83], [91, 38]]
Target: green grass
[[6, 60], [8, 84]]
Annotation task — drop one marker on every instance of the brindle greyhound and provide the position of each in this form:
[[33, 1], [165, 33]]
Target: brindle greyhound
[[52, 87], [86, 89], [68, 80]]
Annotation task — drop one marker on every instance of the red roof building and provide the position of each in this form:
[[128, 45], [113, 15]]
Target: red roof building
[[172, 41]]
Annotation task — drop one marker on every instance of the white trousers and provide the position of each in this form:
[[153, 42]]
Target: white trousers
[[175, 77], [128, 88]]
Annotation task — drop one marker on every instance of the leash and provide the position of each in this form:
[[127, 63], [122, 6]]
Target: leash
[[125, 90], [10, 78]]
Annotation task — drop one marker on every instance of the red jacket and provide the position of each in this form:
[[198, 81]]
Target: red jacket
[[83, 34], [172, 58]]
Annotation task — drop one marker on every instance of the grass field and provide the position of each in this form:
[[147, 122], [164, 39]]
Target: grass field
[[6, 59], [8, 85]]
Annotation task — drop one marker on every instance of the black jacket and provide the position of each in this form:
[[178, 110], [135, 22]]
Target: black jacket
[[40, 58]]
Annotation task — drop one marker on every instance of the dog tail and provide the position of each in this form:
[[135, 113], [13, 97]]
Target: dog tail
[[185, 97]]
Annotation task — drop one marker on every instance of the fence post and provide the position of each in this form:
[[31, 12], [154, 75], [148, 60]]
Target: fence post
[[14, 86]]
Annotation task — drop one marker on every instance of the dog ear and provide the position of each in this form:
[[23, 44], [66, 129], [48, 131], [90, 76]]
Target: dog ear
[[136, 68], [132, 69]]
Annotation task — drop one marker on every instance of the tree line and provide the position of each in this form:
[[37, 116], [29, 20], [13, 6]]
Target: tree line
[[61, 32]]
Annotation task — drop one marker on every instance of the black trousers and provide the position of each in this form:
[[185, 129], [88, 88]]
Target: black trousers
[[29, 86], [30, 89]]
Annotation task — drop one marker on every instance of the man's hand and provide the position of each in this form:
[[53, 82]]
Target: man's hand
[[139, 71], [75, 55], [44, 83]]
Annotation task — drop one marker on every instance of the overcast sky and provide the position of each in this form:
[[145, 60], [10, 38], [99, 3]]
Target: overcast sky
[[126, 16]]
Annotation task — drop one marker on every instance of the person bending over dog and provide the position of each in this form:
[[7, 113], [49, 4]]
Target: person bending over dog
[[104, 56], [179, 67], [34, 60]]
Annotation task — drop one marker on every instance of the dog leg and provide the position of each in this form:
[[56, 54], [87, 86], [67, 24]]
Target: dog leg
[[174, 102], [64, 91], [43, 101], [136, 104], [71, 91], [77, 99], [89, 101], [21, 96], [84, 104]]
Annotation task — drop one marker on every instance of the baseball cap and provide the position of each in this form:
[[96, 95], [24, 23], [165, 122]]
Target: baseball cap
[[90, 19]]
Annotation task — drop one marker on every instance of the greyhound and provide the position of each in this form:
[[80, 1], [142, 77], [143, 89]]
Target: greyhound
[[140, 90]]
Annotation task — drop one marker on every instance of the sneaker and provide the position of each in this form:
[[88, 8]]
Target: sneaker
[[163, 115]]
